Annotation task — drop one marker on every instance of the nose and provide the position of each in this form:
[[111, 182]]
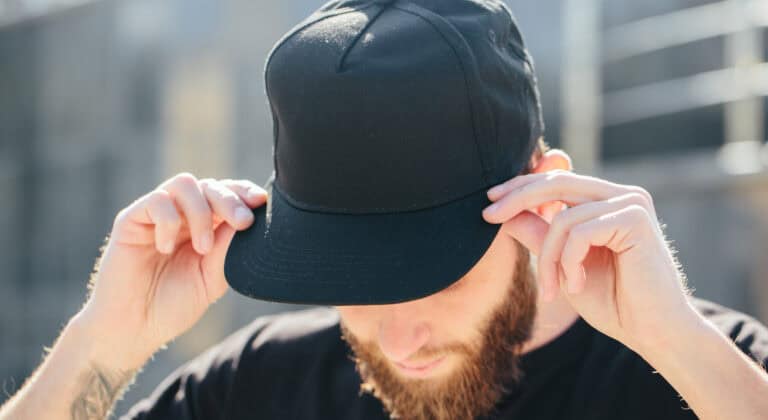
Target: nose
[[402, 332]]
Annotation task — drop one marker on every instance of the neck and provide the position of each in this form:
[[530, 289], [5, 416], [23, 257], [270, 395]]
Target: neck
[[552, 319]]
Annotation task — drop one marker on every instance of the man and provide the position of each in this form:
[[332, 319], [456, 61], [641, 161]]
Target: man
[[411, 190]]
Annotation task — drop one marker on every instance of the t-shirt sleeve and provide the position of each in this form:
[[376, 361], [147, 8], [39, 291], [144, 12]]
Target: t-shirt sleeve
[[199, 389]]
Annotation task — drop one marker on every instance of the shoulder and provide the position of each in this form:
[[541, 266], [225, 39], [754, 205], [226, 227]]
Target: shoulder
[[277, 344], [269, 341], [636, 388], [290, 339], [286, 330], [251, 366]]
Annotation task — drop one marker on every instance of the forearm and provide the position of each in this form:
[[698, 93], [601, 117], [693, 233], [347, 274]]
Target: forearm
[[79, 379], [716, 379]]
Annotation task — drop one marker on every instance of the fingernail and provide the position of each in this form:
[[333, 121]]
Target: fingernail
[[492, 208], [206, 242], [243, 215]]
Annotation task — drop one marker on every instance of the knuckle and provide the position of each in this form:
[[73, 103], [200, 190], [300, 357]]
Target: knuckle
[[171, 220], [644, 193], [560, 220], [120, 218], [207, 182], [168, 217], [230, 187], [526, 189], [580, 231], [210, 186], [561, 195], [158, 196], [159, 199], [231, 200], [223, 193], [637, 213], [636, 198], [558, 174], [185, 179]]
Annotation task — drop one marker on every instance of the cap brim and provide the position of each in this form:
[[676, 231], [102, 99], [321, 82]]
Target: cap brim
[[297, 256]]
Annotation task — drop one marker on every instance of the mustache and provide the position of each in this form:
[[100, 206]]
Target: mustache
[[426, 352], [434, 352]]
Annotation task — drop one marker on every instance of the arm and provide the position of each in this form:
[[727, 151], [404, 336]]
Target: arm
[[81, 378], [161, 269], [607, 255], [715, 378]]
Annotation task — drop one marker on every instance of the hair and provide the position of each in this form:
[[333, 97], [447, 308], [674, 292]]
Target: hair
[[538, 151]]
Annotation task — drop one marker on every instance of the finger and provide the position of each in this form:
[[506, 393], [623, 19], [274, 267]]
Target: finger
[[616, 231], [187, 194], [227, 204], [563, 222], [567, 187], [518, 181], [213, 263], [161, 211], [133, 224], [530, 229], [251, 194], [521, 181]]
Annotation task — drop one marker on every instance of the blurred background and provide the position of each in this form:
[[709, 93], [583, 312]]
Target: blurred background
[[102, 100]]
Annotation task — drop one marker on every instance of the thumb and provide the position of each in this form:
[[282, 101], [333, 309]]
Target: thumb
[[528, 228], [213, 262]]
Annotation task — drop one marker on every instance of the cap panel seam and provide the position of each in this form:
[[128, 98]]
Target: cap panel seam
[[348, 49], [280, 42], [422, 13]]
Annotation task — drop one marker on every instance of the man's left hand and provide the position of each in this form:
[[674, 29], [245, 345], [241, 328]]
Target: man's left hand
[[606, 252]]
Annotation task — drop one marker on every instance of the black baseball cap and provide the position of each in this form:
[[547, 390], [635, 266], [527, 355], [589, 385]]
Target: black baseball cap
[[391, 121]]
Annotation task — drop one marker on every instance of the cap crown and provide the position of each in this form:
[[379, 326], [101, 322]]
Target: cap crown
[[388, 106]]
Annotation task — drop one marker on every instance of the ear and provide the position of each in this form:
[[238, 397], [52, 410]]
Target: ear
[[551, 160]]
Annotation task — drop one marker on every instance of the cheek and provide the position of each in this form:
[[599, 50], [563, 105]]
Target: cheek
[[464, 311], [360, 320]]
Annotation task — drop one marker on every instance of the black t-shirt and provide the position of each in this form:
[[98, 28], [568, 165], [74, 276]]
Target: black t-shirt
[[296, 366]]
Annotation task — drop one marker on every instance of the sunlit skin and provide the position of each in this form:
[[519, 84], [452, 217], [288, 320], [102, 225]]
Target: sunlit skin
[[604, 256], [414, 335]]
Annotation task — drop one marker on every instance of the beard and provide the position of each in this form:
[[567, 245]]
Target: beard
[[489, 370]]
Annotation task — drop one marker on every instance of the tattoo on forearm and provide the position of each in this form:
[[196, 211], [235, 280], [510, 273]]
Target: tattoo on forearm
[[100, 390]]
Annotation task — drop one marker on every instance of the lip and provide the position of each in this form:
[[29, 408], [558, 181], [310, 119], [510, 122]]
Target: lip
[[419, 370]]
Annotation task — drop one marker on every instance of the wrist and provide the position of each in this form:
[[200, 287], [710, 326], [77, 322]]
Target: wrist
[[105, 348], [678, 335]]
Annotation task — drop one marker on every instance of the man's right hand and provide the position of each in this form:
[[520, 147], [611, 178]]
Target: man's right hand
[[163, 264]]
